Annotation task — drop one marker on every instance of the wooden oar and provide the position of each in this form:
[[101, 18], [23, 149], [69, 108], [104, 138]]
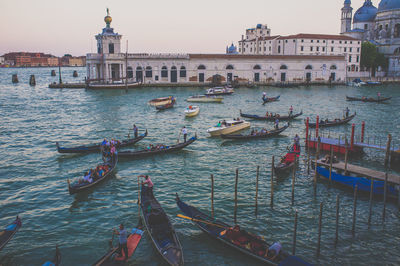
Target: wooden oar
[[200, 221]]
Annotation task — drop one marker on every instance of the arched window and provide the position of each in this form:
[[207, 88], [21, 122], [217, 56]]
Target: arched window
[[201, 67], [129, 72], [397, 31], [182, 72], [149, 72], [256, 67], [139, 68], [309, 67], [229, 67], [333, 67], [164, 72], [283, 67], [397, 50]]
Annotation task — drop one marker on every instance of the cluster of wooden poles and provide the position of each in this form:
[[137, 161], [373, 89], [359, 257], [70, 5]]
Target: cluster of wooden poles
[[353, 229]]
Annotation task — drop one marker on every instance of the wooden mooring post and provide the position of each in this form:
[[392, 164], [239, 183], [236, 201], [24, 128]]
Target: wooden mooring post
[[294, 234], [294, 178], [272, 182], [384, 197], [353, 228], [212, 196], [236, 185], [14, 78], [371, 194], [53, 73], [319, 229], [387, 155], [337, 220], [258, 173], [32, 80]]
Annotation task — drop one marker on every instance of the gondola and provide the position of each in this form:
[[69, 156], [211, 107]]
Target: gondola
[[366, 99], [257, 136], [56, 260], [270, 99], [113, 258], [148, 152], [272, 118], [79, 187], [335, 122], [7, 234], [166, 106], [288, 161], [249, 244], [97, 147], [160, 229]]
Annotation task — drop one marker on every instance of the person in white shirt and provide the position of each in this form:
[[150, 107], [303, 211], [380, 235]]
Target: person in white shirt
[[184, 133]]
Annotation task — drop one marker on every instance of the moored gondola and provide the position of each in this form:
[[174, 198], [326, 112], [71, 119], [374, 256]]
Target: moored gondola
[[105, 170], [259, 135], [270, 99], [366, 99], [156, 150], [288, 161], [272, 118], [7, 234], [331, 123], [56, 260], [97, 147], [159, 228], [247, 243], [113, 258]]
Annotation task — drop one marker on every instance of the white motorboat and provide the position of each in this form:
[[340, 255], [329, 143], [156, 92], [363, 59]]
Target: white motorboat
[[192, 111], [227, 127]]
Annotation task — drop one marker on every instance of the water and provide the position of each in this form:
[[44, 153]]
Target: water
[[33, 176]]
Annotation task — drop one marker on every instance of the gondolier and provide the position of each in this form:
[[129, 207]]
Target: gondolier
[[264, 96], [347, 111], [297, 140], [291, 110], [135, 130], [276, 123], [122, 241], [184, 133]]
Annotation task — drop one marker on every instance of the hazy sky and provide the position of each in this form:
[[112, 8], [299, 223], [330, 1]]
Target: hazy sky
[[177, 26]]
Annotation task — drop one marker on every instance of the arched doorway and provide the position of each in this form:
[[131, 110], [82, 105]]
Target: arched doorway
[[174, 74], [257, 69], [201, 69], [139, 74], [308, 73], [229, 74], [333, 73], [283, 69]]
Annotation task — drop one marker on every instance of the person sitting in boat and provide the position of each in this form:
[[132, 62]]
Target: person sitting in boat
[[88, 177], [267, 114], [224, 122], [219, 124], [104, 142], [233, 233], [252, 132], [263, 131], [238, 119], [273, 251]]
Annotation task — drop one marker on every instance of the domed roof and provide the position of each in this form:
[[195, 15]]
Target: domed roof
[[366, 13], [386, 5]]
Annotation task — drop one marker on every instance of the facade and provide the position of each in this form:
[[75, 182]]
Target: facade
[[23, 59], [53, 61], [380, 26], [109, 65], [2, 60]]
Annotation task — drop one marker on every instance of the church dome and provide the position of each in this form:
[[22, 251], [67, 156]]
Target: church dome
[[366, 13], [386, 5]]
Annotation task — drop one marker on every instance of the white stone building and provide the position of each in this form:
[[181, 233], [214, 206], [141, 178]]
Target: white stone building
[[109, 65], [2, 60]]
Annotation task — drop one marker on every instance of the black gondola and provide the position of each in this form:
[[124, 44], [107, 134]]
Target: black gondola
[[272, 118], [257, 136], [154, 151], [336, 122], [7, 234], [366, 99], [247, 243], [78, 187], [97, 147], [56, 260], [160, 229], [166, 106], [270, 99], [288, 161]]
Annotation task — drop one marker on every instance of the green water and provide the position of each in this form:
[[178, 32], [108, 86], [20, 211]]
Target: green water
[[33, 176]]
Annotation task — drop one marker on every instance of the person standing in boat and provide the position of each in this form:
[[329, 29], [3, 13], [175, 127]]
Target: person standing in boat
[[147, 181], [264, 96], [297, 140], [273, 251], [291, 110], [184, 133], [347, 111], [135, 131], [379, 95], [123, 236], [277, 123]]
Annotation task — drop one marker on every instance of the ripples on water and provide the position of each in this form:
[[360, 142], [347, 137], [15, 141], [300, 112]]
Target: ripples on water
[[33, 175]]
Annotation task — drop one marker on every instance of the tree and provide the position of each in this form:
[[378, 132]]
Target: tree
[[368, 55], [381, 61]]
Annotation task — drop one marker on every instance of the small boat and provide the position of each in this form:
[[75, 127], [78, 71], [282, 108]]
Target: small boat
[[272, 118], [228, 127], [166, 106], [336, 122], [247, 243], [7, 234], [113, 258], [115, 85], [220, 91], [192, 111], [161, 101], [288, 161], [110, 165], [259, 135], [366, 99], [204, 99], [160, 229], [97, 147], [363, 184], [373, 83], [161, 149], [56, 260], [270, 99]]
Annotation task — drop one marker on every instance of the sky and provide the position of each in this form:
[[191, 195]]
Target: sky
[[158, 26]]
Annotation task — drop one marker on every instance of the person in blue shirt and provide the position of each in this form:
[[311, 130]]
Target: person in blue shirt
[[123, 235], [135, 131], [277, 123]]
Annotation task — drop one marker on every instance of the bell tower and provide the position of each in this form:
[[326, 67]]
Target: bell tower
[[347, 14], [108, 42]]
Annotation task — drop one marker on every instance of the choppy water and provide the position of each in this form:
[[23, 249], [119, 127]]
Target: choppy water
[[33, 175]]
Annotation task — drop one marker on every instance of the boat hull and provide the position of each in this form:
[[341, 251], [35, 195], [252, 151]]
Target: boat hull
[[193, 112], [205, 99], [214, 132]]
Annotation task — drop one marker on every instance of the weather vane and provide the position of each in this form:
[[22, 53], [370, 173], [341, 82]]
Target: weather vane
[[108, 12]]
